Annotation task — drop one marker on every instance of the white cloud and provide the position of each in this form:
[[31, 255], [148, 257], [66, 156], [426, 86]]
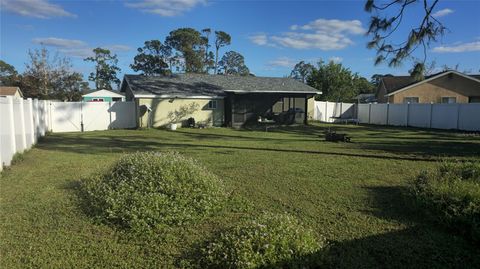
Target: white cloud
[[282, 62], [320, 34], [335, 59], [76, 48], [442, 12], [59, 42], [166, 8], [35, 8], [463, 47], [259, 39]]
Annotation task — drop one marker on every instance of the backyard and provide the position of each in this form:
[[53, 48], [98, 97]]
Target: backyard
[[351, 193]]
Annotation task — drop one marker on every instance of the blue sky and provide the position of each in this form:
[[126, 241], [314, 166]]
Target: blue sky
[[272, 35]]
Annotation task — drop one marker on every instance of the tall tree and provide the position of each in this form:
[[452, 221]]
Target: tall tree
[[152, 58], [209, 57], [8, 74], [222, 39], [190, 44], [302, 71], [376, 78], [336, 82], [233, 63], [51, 77], [105, 69], [386, 20]]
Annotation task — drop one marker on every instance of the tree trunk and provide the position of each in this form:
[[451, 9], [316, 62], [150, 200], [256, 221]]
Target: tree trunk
[[216, 60]]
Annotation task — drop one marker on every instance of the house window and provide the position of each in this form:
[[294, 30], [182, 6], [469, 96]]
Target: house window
[[212, 104], [449, 100], [411, 100], [474, 99], [97, 100], [116, 99]]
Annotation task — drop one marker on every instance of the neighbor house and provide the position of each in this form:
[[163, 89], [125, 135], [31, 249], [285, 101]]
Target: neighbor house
[[10, 91], [445, 87], [103, 96], [218, 100]]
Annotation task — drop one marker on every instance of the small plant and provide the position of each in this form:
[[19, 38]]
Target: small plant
[[451, 194], [153, 190], [277, 241]]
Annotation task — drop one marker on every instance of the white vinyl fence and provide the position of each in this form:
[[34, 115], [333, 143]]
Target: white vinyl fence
[[439, 116], [23, 121]]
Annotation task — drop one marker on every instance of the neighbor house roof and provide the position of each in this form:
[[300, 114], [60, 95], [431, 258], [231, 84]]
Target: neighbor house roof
[[210, 85], [396, 84], [9, 91], [103, 93]]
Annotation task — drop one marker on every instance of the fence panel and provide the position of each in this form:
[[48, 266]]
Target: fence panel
[[363, 113], [66, 117], [378, 114], [7, 131], [95, 116], [397, 114], [445, 116], [418, 115], [123, 115], [469, 117]]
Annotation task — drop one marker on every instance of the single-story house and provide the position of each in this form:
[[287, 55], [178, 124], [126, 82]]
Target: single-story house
[[10, 91], [445, 87], [103, 96], [218, 100]]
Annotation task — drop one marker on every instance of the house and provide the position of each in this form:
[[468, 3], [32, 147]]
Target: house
[[218, 100], [445, 87], [366, 98], [10, 91], [103, 96]]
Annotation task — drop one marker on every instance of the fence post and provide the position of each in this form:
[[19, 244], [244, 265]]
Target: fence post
[[458, 116], [341, 110], [431, 115], [369, 112], [23, 137], [326, 109], [388, 112], [408, 112], [29, 121], [36, 118], [110, 115], [13, 145]]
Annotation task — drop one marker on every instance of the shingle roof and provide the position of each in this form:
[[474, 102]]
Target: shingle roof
[[395, 83], [211, 85], [9, 90]]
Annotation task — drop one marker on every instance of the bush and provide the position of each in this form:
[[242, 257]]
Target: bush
[[266, 241], [451, 194], [150, 189]]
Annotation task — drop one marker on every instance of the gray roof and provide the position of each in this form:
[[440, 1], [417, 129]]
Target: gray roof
[[211, 85]]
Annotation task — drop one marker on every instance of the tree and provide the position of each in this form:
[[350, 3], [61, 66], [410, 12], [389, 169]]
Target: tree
[[105, 69], [48, 77], [233, 63], [382, 28], [209, 56], [376, 78], [152, 58], [8, 74], [302, 71], [222, 39], [190, 44], [336, 82]]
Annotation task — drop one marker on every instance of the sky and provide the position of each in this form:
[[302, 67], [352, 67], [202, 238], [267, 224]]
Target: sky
[[272, 35]]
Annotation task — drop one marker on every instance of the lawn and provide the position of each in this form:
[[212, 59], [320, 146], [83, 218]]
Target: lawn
[[352, 193]]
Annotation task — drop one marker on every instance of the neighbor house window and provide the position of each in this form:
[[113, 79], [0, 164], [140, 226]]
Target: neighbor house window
[[212, 104], [411, 100], [474, 99], [449, 100], [97, 100]]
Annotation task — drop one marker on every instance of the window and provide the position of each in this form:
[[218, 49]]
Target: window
[[411, 100], [449, 100], [116, 99], [212, 104], [474, 99], [97, 100]]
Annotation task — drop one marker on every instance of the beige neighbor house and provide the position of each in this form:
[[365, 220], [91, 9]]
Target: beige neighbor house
[[216, 100], [445, 87], [10, 91]]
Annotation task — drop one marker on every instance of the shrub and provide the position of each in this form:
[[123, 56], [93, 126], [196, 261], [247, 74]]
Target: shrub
[[451, 194], [265, 241], [151, 189]]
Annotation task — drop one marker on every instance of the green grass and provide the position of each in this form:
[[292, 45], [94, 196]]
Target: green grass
[[353, 194]]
